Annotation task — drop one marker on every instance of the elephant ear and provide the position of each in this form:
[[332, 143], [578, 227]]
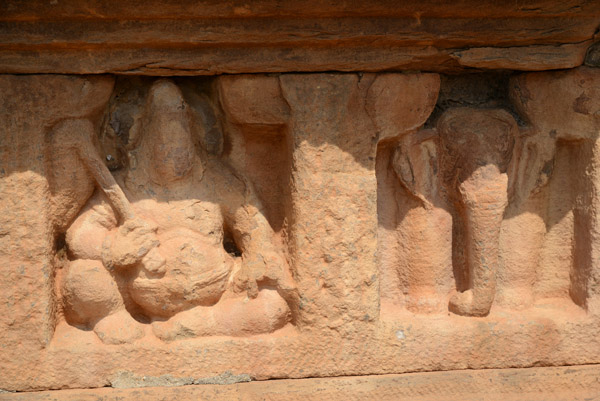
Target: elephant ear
[[532, 167], [416, 165]]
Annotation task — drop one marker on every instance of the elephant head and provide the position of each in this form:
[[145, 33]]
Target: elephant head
[[476, 147]]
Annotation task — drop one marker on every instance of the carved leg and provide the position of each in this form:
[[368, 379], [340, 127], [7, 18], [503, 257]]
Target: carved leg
[[521, 245], [118, 328], [429, 253], [425, 229], [92, 300], [238, 316], [89, 293]]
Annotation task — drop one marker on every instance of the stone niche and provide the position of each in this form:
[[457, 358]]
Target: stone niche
[[184, 225], [297, 225]]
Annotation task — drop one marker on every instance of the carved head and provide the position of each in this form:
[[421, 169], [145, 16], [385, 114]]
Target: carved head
[[474, 138], [167, 140]]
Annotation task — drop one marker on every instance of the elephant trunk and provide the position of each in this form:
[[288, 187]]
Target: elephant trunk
[[483, 200]]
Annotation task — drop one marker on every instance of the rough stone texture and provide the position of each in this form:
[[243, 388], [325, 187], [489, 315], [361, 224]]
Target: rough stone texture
[[526, 58], [333, 179], [576, 383], [175, 231], [574, 96], [188, 38], [28, 106]]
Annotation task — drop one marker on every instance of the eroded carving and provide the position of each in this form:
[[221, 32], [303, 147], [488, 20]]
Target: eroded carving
[[427, 262], [118, 251], [476, 147], [150, 244], [517, 236], [458, 174]]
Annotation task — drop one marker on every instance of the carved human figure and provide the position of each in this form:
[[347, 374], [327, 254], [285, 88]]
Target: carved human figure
[[158, 251], [425, 265], [476, 148]]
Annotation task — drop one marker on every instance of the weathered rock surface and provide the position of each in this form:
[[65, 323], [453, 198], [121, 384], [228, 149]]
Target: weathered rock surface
[[572, 383], [28, 107], [325, 232], [310, 190], [268, 36]]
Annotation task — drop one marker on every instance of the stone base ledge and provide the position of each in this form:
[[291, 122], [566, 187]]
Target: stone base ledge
[[532, 384]]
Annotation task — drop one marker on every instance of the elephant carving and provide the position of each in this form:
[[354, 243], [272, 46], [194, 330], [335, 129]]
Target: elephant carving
[[476, 147]]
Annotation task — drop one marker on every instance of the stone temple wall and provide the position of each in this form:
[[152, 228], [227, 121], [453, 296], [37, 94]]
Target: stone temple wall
[[219, 192]]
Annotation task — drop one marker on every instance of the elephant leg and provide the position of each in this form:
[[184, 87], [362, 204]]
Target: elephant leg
[[430, 260]]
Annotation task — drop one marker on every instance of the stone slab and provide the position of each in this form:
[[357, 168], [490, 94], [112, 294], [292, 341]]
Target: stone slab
[[211, 38], [329, 132], [570, 383]]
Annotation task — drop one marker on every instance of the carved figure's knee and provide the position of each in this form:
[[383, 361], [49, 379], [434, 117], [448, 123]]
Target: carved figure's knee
[[89, 292], [263, 314]]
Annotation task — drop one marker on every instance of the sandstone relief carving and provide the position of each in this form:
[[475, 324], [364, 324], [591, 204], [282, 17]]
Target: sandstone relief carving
[[476, 148], [458, 169], [478, 207], [474, 176], [177, 236], [149, 246], [296, 225], [426, 263]]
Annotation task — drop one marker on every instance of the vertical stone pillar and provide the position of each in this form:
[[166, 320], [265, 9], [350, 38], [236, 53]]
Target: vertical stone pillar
[[336, 121], [585, 286], [29, 107], [334, 214], [332, 124]]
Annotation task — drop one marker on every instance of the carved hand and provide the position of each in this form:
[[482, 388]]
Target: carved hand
[[266, 267], [129, 243]]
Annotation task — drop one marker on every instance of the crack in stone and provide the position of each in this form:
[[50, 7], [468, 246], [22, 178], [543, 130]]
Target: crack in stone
[[127, 379]]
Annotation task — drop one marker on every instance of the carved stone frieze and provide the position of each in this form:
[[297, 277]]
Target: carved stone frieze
[[296, 225]]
